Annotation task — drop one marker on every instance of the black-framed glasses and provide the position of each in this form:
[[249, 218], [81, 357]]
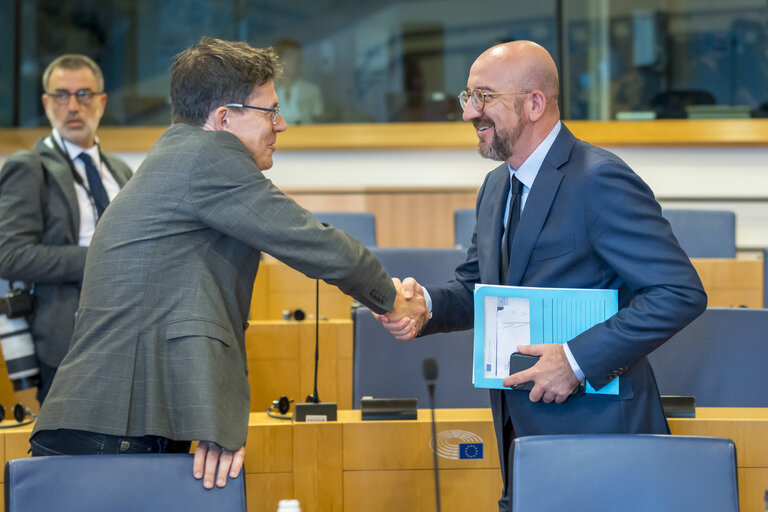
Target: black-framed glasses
[[274, 111], [83, 96], [479, 96]]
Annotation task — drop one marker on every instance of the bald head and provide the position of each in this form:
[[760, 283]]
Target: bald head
[[527, 66], [514, 89]]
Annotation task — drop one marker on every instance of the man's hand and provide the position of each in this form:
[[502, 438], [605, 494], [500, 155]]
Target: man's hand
[[552, 375], [409, 314], [208, 455]]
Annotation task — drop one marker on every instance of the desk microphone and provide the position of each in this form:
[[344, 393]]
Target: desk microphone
[[313, 409], [429, 370]]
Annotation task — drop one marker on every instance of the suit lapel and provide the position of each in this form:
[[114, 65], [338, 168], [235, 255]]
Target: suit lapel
[[492, 213], [60, 171], [538, 204], [120, 178]]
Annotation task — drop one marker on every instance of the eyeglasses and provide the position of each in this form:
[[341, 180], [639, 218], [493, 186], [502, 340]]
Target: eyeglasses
[[479, 97], [83, 96], [274, 111]]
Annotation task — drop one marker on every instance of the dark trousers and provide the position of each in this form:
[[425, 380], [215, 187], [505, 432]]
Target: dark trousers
[[80, 442], [46, 378]]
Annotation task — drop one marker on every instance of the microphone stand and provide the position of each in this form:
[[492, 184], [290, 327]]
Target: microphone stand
[[431, 388], [313, 409], [429, 370], [314, 398]]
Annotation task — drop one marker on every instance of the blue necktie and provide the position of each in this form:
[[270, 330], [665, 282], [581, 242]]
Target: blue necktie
[[96, 187]]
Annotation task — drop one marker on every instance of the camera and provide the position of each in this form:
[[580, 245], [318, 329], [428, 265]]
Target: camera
[[16, 340], [16, 303]]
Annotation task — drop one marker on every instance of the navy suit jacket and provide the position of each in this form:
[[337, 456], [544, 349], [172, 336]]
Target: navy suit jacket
[[589, 222]]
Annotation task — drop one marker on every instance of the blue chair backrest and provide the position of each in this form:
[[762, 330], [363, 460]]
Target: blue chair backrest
[[765, 278], [118, 483], [463, 227], [361, 225], [387, 368], [427, 266], [704, 233], [720, 358], [627, 472]]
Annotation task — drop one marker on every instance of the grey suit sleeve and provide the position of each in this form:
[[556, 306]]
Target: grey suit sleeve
[[233, 196], [627, 231], [24, 255]]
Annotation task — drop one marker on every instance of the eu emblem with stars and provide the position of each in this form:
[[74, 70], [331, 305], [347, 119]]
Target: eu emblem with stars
[[470, 450]]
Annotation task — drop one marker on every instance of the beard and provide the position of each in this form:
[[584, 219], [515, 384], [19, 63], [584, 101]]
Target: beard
[[502, 145]]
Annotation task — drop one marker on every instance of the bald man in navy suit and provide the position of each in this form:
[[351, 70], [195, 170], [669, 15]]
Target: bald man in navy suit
[[580, 218]]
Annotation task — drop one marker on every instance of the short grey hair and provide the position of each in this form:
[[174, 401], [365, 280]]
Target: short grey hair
[[73, 61]]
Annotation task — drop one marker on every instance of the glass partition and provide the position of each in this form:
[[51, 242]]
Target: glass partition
[[403, 61]]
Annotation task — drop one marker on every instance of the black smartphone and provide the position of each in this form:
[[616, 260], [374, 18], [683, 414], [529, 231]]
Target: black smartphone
[[519, 362]]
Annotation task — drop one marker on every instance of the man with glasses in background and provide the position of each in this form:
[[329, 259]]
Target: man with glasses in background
[[562, 213], [50, 201], [158, 355]]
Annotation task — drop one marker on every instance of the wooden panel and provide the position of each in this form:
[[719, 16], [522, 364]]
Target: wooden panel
[[754, 439], [405, 216], [317, 450], [279, 288], [264, 491], [407, 444], [731, 282], [281, 361], [17, 443], [382, 136], [753, 482], [269, 447], [385, 491]]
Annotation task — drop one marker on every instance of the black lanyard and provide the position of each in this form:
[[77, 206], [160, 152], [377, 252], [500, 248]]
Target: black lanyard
[[76, 175]]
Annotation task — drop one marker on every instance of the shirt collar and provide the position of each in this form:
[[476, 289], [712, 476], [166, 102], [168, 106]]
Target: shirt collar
[[527, 172], [73, 150]]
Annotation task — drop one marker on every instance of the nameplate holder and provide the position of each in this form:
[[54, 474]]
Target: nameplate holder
[[388, 408]]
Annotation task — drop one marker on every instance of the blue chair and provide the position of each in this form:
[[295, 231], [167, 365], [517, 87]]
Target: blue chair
[[627, 472], [427, 266], [386, 368], [765, 278], [704, 233], [361, 225], [463, 227], [719, 358], [118, 483]]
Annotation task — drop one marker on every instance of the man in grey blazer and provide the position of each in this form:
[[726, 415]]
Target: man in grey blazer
[[579, 218], [49, 205], [158, 354]]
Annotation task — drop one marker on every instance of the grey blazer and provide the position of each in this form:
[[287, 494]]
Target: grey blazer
[[39, 233], [159, 345]]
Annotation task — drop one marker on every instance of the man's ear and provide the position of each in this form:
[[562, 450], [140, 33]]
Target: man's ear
[[538, 105], [220, 118]]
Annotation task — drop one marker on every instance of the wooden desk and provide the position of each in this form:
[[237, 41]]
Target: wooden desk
[[281, 361], [748, 427], [351, 465]]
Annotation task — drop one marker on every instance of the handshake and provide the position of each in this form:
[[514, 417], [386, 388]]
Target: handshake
[[409, 313]]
